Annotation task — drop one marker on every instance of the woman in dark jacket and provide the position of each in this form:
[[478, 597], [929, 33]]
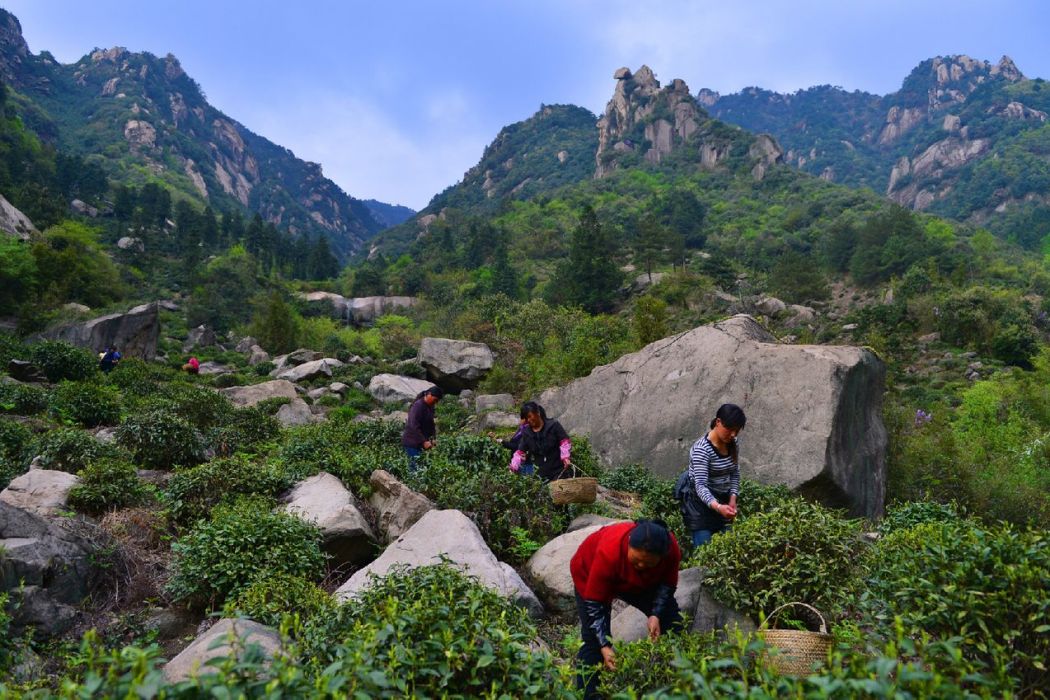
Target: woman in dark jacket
[[635, 562], [512, 443], [420, 429], [546, 441]]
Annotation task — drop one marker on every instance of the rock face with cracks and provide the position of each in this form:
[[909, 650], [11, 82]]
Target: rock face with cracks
[[814, 413]]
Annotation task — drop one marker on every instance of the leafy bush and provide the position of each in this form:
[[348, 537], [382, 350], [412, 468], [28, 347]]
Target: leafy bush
[[758, 498], [202, 407], [433, 632], [351, 451], [11, 348], [137, 378], [15, 439], [470, 474], [23, 399], [193, 492], [70, 450], [224, 381], [88, 403], [272, 596], [160, 440], [59, 360], [222, 556], [263, 368], [107, 484], [244, 428], [902, 516], [799, 551], [985, 588]]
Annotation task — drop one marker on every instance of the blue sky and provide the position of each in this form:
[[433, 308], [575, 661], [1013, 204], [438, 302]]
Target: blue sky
[[397, 100]]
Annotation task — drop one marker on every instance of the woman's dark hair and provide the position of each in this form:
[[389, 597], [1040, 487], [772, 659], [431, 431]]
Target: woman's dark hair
[[650, 536], [533, 407], [731, 415], [435, 391]]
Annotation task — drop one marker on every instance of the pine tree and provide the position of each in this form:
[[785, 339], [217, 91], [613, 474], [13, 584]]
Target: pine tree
[[589, 277]]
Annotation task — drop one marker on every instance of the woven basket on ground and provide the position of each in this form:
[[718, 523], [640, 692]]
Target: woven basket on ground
[[794, 652], [578, 489]]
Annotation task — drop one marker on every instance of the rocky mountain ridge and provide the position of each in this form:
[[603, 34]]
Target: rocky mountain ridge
[[136, 113], [922, 146]]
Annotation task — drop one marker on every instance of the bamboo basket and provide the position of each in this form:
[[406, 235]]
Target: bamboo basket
[[796, 651], [578, 489]]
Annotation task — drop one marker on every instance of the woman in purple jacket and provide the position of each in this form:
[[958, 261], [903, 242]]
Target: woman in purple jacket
[[420, 431]]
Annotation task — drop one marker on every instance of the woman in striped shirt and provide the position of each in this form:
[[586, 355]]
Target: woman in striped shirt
[[714, 470]]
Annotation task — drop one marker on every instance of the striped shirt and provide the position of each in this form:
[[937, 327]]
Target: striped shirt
[[710, 471]]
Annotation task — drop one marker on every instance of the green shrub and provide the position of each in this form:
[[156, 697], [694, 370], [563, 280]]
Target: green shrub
[[351, 451], [469, 473], [11, 348], [15, 440], [71, 449], [200, 406], [88, 403], [984, 588], [23, 399], [273, 596], [244, 428], [758, 498], [140, 379], [59, 360], [799, 551], [220, 557], [10, 469], [193, 492], [901, 516], [263, 368], [272, 405], [160, 440], [224, 381], [433, 632], [107, 484]]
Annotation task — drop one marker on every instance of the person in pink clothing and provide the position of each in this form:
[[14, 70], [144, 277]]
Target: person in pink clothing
[[546, 441]]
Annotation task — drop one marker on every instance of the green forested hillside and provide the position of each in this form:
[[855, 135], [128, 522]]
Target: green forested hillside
[[962, 138], [142, 119]]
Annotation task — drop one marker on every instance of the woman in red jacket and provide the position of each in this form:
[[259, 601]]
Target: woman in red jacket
[[635, 562]]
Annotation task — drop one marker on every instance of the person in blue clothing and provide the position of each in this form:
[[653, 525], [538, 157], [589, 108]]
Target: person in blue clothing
[[420, 431], [109, 359]]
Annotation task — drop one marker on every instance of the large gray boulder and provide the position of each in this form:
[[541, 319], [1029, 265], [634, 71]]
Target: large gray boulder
[[451, 534], [310, 370], [548, 568], [630, 624], [397, 506], [13, 222], [295, 413], [55, 565], [393, 388], [709, 615], [324, 501], [495, 402], [134, 333], [814, 412], [455, 364], [40, 491], [363, 311], [222, 639], [199, 337], [250, 395]]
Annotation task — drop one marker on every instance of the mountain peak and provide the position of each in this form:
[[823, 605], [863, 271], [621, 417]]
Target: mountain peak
[[13, 48]]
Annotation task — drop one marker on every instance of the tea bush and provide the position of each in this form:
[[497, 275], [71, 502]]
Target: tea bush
[[15, 440], [107, 484], [798, 551], [984, 587], [71, 449], [193, 492], [351, 451], [272, 596], [221, 556], [469, 473], [23, 399], [244, 429], [59, 360], [200, 406], [139, 379], [159, 440], [433, 632], [901, 516], [87, 403]]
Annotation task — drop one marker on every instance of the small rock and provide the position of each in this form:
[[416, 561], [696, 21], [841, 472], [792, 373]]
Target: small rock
[[850, 327]]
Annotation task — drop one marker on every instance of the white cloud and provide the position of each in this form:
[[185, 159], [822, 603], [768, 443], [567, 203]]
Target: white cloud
[[362, 149]]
